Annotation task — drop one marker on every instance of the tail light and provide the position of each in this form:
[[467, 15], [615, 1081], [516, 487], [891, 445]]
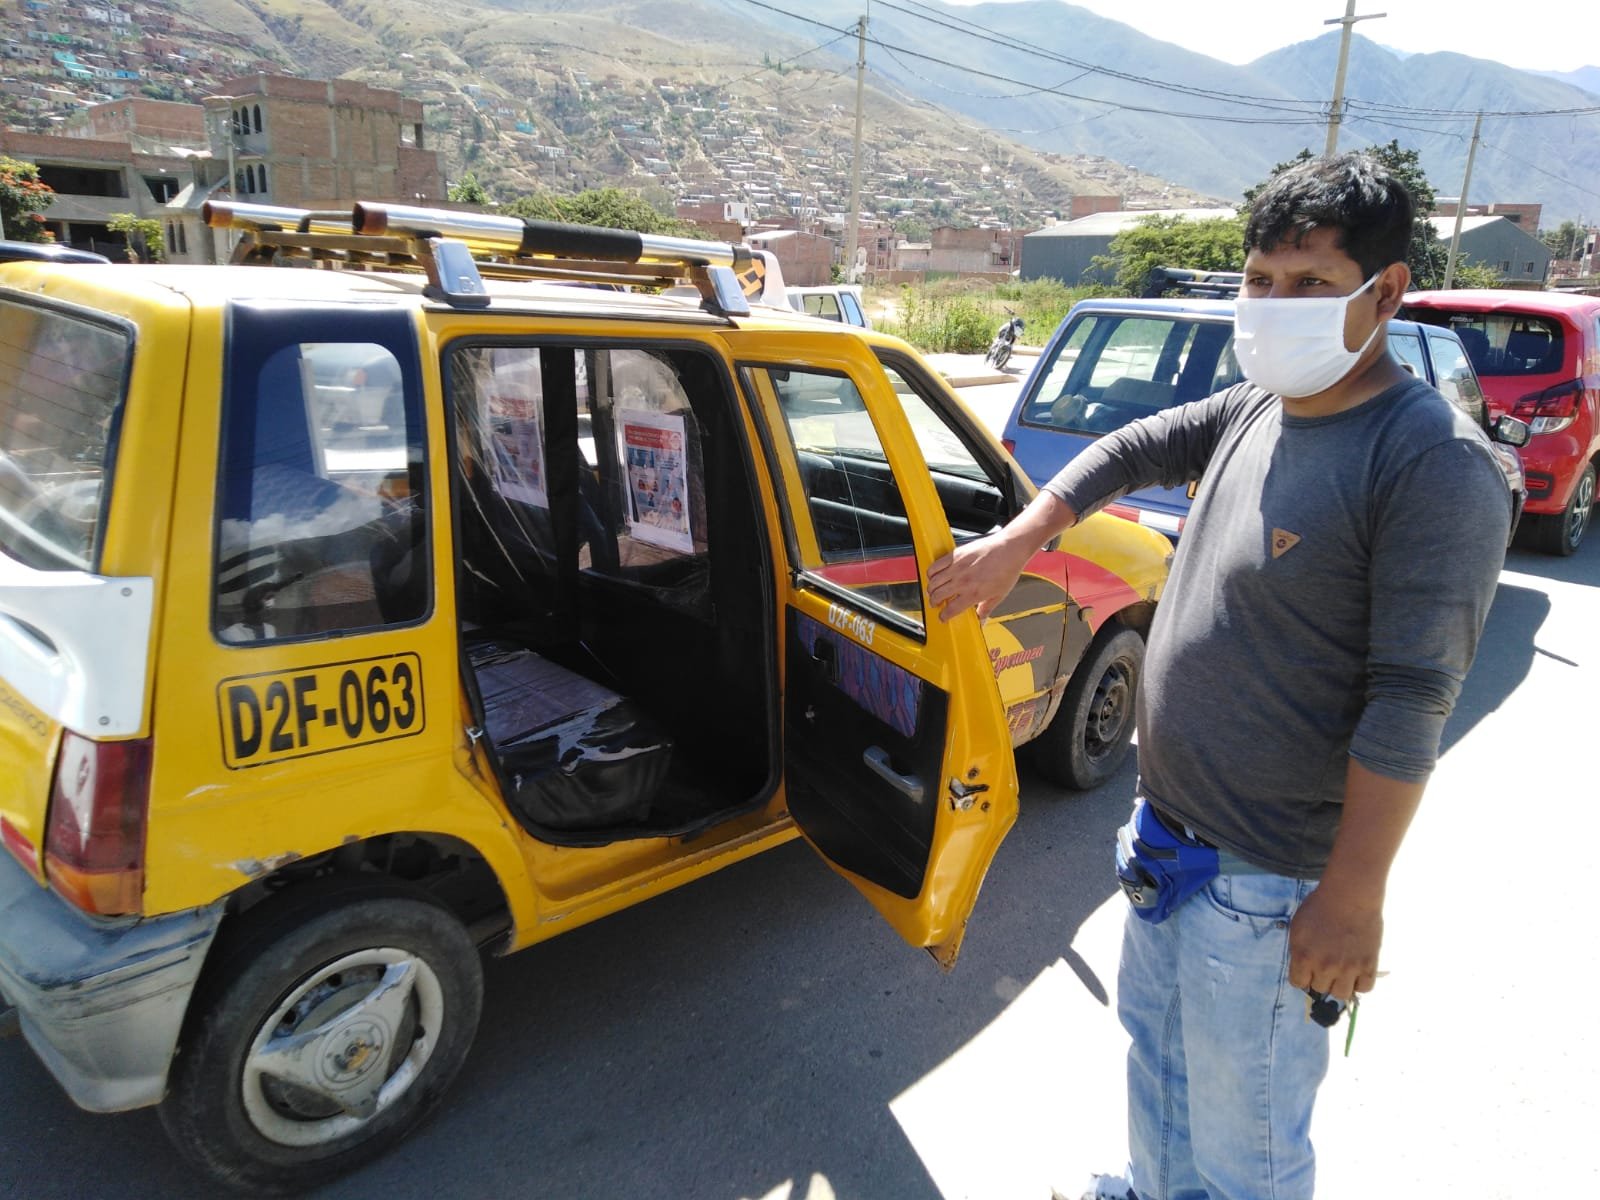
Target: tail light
[[1551, 410], [94, 838], [1010, 444]]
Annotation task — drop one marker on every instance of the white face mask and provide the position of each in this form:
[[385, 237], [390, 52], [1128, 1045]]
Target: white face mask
[[1294, 347]]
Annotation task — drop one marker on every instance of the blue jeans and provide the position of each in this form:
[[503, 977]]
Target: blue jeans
[[1225, 1062]]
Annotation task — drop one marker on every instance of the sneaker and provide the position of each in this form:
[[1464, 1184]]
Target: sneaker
[[1100, 1187]]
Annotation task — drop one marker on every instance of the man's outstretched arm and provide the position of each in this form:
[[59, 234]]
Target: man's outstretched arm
[[981, 573]]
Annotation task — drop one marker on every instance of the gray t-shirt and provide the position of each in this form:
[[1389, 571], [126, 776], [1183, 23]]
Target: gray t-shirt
[[1325, 603]]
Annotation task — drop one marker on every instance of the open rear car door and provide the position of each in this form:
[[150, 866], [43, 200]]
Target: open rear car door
[[897, 761]]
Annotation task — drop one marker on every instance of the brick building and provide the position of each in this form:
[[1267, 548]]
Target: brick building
[[975, 251], [96, 180], [1524, 216], [806, 258], [303, 143], [313, 143], [299, 143]]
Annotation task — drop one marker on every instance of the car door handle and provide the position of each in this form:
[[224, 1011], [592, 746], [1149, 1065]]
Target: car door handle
[[877, 760], [826, 655]]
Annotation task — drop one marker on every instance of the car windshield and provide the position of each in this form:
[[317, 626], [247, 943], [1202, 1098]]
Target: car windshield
[[1112, 368], [1510, 344]]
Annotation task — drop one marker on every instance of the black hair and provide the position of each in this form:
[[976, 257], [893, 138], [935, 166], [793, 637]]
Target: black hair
[[1356, 196]]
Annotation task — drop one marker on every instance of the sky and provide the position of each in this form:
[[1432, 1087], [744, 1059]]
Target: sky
[[1238, 31]]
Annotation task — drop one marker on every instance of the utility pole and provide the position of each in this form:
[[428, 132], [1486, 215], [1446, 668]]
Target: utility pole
[[853, 238], [1461, 207], [1336, 110]]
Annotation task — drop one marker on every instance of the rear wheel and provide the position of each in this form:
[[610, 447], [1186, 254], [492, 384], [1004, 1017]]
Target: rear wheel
[[1088, 740], [1562, 533], [334, 1021]]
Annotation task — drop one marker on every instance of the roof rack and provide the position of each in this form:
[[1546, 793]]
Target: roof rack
[[458, 250], [1181, 281]]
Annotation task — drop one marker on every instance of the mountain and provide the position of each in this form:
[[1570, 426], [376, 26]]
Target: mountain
[[998, 110], [1554, 160], [1587, 78], [1066, 80]]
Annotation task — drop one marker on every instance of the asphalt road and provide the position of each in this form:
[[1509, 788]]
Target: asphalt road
[[760, 1034]]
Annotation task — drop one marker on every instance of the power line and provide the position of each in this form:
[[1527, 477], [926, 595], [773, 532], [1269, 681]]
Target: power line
[[1306, 119], [1284, 103], [1287, 105]]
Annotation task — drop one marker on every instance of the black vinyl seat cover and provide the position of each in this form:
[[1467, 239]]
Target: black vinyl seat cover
[[573, 754]]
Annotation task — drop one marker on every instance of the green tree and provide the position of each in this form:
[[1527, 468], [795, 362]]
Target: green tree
[[912, 229], [1426, 255], [613, 208], [1212, 244], [467, 190], [146, 242], [1566, 240], [1470, 274], [22, 197]]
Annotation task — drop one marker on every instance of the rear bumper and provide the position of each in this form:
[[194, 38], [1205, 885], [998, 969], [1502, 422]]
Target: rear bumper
[[100, 1002], [1552, 463]]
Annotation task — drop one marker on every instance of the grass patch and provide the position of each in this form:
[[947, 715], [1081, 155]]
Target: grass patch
[[962, 315]]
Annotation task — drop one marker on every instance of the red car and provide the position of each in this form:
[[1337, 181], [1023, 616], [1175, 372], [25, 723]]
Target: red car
[[1537, 355]]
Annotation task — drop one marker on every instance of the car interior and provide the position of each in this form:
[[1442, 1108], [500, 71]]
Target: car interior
[[612, 589]]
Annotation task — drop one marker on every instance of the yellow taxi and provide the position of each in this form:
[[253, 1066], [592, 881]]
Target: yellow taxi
[[424, 583]]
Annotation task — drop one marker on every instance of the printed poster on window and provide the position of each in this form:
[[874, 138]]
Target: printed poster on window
[[518, 448], [658, 478]]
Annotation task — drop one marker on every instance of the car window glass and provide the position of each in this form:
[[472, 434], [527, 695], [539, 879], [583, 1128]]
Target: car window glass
[[1407, 347], [322, 501], [852, 310], [823, 304], [1114, 368], [1455, 378], [1511, 344], [859, 535], [61, 393]]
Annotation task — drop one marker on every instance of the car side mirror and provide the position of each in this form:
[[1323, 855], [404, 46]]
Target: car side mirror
[[1511, 431]]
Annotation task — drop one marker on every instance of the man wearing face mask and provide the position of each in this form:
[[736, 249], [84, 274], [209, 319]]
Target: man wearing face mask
[[1323, 608]]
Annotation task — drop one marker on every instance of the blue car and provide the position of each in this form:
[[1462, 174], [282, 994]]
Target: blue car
[[1113, 361]]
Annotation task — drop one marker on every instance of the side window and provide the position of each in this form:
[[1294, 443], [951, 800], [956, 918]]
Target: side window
[[824, 305], [61, 394], [1135, 350], [1456, 379], [971, 494], [1113, 369], [322, 501], [1407, 348], [852, 310], [854, 532]]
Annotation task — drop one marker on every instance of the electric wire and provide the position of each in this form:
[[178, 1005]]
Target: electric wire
[[1314, 111]]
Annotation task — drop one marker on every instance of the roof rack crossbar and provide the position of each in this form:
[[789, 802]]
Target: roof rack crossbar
[[456, 249]]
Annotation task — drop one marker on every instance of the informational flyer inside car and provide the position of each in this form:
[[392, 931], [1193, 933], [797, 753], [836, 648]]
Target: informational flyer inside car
[[514, 430], [652, 446]]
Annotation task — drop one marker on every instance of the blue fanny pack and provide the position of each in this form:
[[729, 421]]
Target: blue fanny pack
[[1160, 869]]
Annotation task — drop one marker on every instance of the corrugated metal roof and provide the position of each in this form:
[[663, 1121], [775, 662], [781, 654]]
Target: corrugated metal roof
[[1109, 224]]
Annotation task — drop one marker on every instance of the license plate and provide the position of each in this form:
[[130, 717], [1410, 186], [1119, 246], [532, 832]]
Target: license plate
[[294, 714]]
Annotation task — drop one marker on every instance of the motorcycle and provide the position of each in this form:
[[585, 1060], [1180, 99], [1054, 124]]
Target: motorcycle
[[999, 352]]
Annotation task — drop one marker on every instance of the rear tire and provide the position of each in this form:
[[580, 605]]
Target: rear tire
[[332, 1023], [1087, 742], [1563, 532]]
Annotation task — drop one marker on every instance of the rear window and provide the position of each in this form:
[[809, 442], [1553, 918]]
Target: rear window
[[1511, 344], [61, 391], [1113, 368]]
